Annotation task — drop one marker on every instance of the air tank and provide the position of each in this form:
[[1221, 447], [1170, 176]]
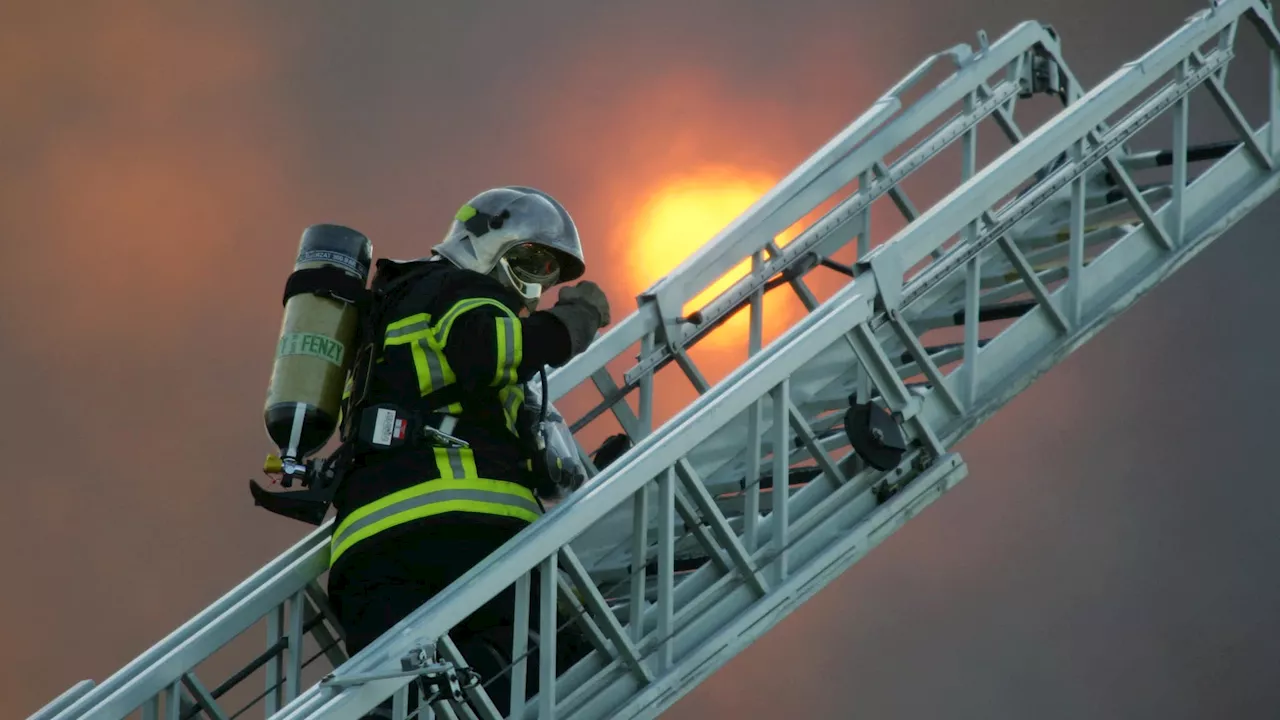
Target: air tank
[[317, 333]]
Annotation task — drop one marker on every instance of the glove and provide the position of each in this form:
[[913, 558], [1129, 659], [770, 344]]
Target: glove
[[590, 294], [582, 309]]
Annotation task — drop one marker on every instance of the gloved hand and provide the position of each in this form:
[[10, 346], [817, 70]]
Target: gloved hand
[[582, 309], [590, 294]]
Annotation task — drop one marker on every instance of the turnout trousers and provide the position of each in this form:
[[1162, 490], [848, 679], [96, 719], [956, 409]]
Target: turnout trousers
[[389, 576]]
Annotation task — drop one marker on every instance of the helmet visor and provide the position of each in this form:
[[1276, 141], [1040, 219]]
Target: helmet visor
[[534, 264]]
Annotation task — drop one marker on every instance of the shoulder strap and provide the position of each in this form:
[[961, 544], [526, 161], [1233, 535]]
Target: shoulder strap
[[378, 300]]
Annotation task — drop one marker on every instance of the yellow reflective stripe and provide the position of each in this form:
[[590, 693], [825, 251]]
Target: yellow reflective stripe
[[456, 463], [508, 340], [407, 330], [490, 497], [429, 361], [510, 345], [458, 490], [443, 327], [431, 365], [426, 344], [511, 398]]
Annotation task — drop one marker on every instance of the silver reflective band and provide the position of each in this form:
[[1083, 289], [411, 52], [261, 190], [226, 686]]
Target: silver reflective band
[[433, 498], [410, 329], [447, 425], [435, 368]]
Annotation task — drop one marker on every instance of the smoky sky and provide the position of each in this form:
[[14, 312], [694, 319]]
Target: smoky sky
[[1111, 555]]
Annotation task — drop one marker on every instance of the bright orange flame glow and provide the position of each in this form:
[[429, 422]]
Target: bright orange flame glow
[[682, 216]]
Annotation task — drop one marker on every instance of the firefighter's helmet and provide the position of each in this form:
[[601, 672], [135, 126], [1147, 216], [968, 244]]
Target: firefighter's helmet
[[521, 236]]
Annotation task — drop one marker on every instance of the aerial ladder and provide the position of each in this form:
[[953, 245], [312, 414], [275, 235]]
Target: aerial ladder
[[732, 513]]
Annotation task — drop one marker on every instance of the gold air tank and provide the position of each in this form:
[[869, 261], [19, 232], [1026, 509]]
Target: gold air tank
[[317, 336]]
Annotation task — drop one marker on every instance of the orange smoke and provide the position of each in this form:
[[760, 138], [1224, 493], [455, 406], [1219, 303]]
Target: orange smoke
[[142, 184]]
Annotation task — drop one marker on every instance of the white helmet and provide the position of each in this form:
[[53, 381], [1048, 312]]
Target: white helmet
[[521, 236]]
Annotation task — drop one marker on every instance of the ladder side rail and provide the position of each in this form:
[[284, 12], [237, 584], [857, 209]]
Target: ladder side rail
[[935, 400], [827, 551], [256, 604], [835, 164], [837, 227], [1214, 201], [1003, 175], [1184, 46], [845, 157], [737, 242], [220, 618], [63, 701], [1022, 352], [797, 393], [1227, 191]]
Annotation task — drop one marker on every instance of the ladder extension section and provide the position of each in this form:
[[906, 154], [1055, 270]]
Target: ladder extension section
[[682, 552]]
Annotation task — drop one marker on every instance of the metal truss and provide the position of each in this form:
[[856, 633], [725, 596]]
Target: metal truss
[[735, 511]]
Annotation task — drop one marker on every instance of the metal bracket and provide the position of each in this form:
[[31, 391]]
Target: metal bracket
[[434, 677], [666, 332], [1040, 75], [885, 266]]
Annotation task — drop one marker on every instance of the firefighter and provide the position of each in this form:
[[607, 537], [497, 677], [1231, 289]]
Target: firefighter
[[454, 336]]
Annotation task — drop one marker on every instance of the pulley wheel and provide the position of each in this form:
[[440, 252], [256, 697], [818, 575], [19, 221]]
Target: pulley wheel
[[874, 435]]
